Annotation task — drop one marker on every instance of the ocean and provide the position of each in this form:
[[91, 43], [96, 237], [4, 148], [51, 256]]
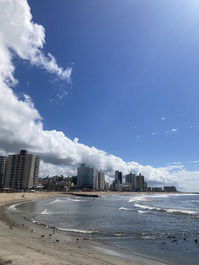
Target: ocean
[[162, 226]]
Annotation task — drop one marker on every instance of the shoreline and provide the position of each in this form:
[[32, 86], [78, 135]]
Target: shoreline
[[23, 244]]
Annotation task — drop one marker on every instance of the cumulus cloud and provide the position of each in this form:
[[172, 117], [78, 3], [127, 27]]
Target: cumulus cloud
[[20, 35], [21, 124]]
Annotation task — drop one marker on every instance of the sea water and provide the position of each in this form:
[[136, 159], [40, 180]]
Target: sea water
[[163, 226]]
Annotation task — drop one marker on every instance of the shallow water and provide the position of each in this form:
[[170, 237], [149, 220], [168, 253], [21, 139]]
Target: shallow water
[[162, 226]]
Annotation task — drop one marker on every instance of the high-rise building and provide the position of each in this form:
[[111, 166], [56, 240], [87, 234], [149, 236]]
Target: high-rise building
[[130, 179], [139, 183], [86, 177], [22, 171], [100, 181], [2, 170], [118, 177]]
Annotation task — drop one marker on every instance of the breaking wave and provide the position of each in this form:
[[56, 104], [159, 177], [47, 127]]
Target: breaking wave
[[125, 209], [55, 201], [13, 207], [175, 211], [142, 212], [77, 230], [138, 198], [77, 200], [45, 212]]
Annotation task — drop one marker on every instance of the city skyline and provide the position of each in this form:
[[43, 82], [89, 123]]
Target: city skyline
[[20, 172], [117, 94]]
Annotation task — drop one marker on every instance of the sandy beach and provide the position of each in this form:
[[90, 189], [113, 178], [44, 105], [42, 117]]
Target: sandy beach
[[22, 244]]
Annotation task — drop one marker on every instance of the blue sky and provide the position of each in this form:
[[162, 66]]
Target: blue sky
[[121, 76], [134, 62]]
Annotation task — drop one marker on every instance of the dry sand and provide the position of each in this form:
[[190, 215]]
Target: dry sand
[[21, 245]]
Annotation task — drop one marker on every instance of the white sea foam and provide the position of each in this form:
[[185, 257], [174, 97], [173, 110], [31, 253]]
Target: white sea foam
[[142, 212], [148, 237], [175, 211], [13, 207], [117, 234], [55, 201], [77, 200], [45, 212], [147, 207], [138, 198], [76, 230], [181, 211], [125, 209], [146, 197]]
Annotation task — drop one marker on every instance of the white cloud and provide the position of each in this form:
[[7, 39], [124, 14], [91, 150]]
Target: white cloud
[[177, 163], [188, 180], [195, 161], [20, 35], [163, 118], [172, 131], [155, 132], [21, 125]]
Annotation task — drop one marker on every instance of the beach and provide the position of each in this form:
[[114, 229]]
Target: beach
[[21, 243]]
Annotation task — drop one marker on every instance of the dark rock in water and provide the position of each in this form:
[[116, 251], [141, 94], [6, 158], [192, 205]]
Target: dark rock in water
[[174, 240], [57, 240], [82, 194], [42, 235], [184, 238], [196, 241], [50, 234]]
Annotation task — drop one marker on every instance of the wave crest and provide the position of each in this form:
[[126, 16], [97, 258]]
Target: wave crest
[[76, 230], [45, 212], [125, 209], [175, 211]]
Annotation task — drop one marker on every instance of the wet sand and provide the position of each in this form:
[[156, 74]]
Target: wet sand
[[22, 243]]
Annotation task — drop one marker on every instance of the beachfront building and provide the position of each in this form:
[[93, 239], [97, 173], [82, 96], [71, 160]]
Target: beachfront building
[[21, 171], [170, 189], [156, 189], [139, 183], [2, 170], [100, 181], [118, 177], [86, 177], [117, 182], [130, 179], [116, 186]]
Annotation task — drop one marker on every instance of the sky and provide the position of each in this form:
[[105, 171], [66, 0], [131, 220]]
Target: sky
[[110, 83]]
